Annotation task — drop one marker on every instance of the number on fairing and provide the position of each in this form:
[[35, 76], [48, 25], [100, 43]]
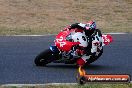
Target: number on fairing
[[60, 40], [106, 39]]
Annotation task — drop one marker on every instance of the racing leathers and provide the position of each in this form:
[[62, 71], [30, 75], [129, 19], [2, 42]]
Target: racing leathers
[[94, 47]]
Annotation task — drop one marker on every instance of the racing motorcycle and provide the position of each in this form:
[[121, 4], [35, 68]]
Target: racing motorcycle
[[65, 48]]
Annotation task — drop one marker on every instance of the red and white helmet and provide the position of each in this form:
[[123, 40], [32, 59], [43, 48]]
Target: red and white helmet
[[91, 25]]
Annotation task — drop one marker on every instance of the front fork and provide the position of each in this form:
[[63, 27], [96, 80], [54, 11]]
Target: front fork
[[56, 52], [54, 49], [58, 55]]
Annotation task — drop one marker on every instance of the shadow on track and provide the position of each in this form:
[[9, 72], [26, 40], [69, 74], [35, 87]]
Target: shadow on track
[[62, 66], [73, 66]]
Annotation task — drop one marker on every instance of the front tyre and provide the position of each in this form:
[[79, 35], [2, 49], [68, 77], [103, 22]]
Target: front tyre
[[44, 58]]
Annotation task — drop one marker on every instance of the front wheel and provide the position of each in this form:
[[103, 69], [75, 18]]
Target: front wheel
[[44, 58]]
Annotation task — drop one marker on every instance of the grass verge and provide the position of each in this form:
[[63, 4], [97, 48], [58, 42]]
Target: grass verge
[[76, 86]]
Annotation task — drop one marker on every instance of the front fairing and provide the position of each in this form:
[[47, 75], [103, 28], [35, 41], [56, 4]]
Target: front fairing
[[63, 41]]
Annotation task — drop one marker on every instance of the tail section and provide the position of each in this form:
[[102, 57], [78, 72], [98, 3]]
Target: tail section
[[107, 39]]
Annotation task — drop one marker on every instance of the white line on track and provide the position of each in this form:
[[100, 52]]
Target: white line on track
[[32, 35], [116, 33], [21, 85]]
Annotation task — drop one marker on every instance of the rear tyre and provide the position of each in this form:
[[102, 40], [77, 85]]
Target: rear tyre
[[44, 58]]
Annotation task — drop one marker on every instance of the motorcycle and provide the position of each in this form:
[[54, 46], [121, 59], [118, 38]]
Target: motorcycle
[[65, 45]]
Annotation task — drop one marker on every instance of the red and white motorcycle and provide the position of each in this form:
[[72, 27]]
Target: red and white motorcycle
[[65, 45]]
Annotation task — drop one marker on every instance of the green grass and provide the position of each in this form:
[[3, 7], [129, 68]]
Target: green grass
[[50, 16]]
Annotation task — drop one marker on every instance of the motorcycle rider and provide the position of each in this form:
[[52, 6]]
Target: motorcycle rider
[[94, 37]]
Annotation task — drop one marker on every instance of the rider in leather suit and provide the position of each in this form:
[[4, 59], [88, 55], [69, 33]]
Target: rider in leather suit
[[94, 41]]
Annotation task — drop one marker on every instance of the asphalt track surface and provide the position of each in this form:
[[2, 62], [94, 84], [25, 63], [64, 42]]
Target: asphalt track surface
[[17, 60]]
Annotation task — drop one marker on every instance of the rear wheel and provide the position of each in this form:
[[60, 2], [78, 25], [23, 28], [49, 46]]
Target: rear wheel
[[44, 58]]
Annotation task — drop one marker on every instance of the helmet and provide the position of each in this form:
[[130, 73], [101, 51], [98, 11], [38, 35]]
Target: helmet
[[91, 25], [81, 38]]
